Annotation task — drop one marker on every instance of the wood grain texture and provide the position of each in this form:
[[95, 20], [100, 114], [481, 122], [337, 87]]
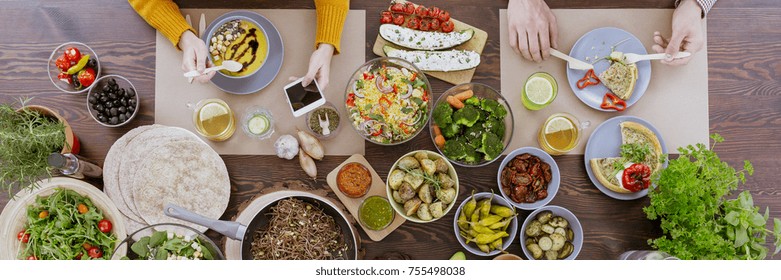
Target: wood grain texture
[[744, 104]]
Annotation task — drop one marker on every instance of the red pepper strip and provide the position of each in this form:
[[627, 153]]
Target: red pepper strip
[[395, 88], [377, 133], [368, 76], [636, 177], [589, 79], [611, 101], [414, 75], [351, 100], [385, 100], [425, 95]]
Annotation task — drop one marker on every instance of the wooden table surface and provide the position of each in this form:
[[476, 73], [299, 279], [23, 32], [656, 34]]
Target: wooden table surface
[[744, 42]]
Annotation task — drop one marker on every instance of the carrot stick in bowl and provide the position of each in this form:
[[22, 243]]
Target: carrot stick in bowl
[[464, 95]]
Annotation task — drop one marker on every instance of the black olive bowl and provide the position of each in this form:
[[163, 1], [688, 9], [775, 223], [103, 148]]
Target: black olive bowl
[[113, 101]]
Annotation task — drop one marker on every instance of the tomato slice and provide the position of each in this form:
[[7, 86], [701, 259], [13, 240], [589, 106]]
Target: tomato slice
[[409, 8], [435, 24], [448, 27], [398, 20], [444, 16], [413, 23], [421, 11]]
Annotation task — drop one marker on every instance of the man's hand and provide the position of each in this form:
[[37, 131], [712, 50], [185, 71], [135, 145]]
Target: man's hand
[[532, 27], [687, 34], [195, 56]]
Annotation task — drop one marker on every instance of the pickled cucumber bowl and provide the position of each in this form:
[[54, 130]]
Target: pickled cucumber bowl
[[570, 223], [506, 224]]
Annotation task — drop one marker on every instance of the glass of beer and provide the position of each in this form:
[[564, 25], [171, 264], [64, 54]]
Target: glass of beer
[[560, 133], [214, 119]]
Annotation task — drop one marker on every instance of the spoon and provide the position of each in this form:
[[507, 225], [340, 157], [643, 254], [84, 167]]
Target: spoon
[[230, 65]]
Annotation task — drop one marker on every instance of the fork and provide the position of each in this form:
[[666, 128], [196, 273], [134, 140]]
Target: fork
[[324, 124], [632, 57]]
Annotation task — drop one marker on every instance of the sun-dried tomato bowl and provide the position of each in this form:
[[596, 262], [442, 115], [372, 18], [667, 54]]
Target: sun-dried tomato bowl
[[552, 186]]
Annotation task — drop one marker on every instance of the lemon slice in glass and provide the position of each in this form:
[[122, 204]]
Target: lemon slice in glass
[[557, 124], [539, 91]]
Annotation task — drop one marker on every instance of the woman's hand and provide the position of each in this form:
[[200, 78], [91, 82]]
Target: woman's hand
[[532, 28], [319, 66], [194, 56], [687, 34]]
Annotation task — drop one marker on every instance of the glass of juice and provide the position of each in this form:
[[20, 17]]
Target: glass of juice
[[214, 119], [560, 133], [539, 90]]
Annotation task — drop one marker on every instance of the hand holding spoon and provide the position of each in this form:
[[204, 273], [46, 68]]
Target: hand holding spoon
[[230, 65]]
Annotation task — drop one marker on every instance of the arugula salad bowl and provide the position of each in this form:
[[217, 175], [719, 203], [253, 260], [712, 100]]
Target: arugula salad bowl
[[388, 101], [167, 241], [476, 134]]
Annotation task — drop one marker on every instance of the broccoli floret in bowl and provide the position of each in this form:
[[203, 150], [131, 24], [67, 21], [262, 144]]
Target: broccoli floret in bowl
[[479, 125], [467, 116]]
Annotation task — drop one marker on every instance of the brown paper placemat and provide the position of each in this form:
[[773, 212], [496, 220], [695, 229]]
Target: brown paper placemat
[[676, 101], [476, 44], [297, 28]]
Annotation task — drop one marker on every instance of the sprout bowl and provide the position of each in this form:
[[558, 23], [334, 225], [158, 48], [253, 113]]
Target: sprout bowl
[[388, 101], [482, 92]]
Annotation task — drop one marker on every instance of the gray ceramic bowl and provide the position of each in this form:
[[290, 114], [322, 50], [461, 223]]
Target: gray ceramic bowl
[[553, 186], [513, 227], [574, 224]]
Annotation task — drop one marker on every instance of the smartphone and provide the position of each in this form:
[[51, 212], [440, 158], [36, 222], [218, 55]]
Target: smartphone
[[303, 99]]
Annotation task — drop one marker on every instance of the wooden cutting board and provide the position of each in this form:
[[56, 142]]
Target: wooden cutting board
[[352, 204], [476, 44]]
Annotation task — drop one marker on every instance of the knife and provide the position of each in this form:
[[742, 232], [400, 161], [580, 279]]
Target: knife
[[202, 25], [574, 63], [190, 23]]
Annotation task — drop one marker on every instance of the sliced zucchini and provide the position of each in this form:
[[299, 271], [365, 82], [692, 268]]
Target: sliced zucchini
[[444, 61], [424, 40]]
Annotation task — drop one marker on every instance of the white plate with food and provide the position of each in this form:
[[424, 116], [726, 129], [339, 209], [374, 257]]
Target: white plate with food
[[627, 81], [619, 146]]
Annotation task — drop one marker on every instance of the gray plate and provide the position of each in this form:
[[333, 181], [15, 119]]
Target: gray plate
[[263, 76], [605, 141], [598, 42]]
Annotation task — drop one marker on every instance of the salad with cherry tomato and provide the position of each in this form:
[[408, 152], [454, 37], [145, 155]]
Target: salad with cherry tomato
[[76, 69], [66, 226]]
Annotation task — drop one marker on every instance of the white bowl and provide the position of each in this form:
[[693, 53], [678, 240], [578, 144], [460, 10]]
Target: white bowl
[[553, 186], [574, 224], [54, 71], [399, 208], [14, 215], [513, 227]]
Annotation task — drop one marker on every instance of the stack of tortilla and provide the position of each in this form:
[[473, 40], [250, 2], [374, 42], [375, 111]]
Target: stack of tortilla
[[153, 165]]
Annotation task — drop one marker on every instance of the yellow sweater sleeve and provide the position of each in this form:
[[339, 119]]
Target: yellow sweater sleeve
[[331, 15], [164, 16]]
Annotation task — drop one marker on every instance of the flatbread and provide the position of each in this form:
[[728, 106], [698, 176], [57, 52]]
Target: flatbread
[[185, 173], [111, 173], [137, 152]]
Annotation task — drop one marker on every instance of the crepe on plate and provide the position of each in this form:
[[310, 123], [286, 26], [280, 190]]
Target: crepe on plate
[[631, 133]]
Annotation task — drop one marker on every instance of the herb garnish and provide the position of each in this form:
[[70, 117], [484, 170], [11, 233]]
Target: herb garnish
[[698, 221]]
